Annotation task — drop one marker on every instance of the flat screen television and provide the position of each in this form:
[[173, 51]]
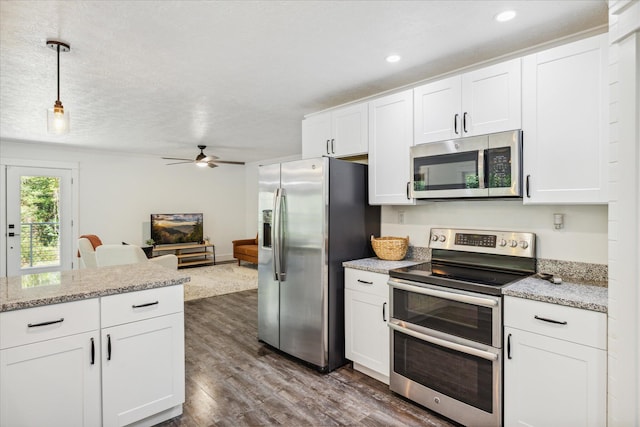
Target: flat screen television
[[177, 228]]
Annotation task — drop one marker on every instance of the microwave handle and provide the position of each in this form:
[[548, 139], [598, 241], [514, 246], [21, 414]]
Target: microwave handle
[[482, 183]]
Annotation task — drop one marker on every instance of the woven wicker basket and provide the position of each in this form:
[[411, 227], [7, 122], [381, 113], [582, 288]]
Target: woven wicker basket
[[390, 248]]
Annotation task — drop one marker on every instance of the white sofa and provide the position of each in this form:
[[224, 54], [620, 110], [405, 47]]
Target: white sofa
[[105, 255]]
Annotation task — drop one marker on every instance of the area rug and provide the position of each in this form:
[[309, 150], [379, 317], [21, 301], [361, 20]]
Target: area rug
[[219, 279]]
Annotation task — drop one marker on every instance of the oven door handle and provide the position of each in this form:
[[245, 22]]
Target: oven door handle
[[444, 343], [453, 296]]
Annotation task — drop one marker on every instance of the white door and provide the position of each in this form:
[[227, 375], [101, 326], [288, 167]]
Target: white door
[[39, 220], [316, 136]]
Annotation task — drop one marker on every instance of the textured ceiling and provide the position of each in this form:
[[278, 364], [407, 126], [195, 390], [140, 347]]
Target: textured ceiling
[[160, 77]]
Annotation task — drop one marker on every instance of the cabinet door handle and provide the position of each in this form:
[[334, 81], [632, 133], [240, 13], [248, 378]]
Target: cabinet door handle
[[527, 186], [328, 147], [464, 122], [145, 305], [509, 346], [544, 319], [365, 282], [455, 123], [384, 311], [408, 183], [50, 322], [108, 346], [333, 151], [93, 352]]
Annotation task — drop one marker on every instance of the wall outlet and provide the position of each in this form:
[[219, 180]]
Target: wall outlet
[[400, 217]]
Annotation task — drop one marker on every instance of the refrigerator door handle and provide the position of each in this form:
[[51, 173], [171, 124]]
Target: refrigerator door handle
[[275, 232], [282, 274]]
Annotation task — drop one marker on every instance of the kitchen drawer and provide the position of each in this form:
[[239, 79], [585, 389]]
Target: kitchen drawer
[[366, 281], [140, 305], [48, 322], [582, 326]]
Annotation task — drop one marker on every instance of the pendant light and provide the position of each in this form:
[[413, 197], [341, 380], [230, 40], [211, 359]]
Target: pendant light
[[57, 118]]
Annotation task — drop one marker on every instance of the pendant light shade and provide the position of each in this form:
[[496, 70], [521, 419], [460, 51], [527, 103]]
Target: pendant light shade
[[57, 117]]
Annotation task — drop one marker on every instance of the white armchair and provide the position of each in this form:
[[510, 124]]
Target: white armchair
[[130, 254], [87, 253], [105, 255]]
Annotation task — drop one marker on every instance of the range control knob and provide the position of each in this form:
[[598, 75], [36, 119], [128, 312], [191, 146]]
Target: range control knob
[[513, 243], [434, 237], [503, 242], [442, 238], [524, 245]]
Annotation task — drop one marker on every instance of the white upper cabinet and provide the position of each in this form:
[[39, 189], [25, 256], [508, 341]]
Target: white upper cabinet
[[338, 133], [565, 123], [479, 102], [390, 139]]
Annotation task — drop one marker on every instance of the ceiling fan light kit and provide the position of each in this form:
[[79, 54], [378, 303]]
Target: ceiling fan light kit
[[202, 160], [57, 119]]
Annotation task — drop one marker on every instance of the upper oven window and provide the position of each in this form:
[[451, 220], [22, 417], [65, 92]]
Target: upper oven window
[[469, 321], [446, 172]]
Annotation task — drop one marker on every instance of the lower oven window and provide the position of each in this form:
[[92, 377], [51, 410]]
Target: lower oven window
[[469, 321], [461, 376]]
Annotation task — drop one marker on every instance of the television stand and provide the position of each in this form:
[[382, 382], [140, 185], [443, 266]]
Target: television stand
[[188, 255]]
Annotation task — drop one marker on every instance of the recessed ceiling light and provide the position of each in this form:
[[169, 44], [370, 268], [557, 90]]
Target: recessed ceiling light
[[393, 58], [505, 16]]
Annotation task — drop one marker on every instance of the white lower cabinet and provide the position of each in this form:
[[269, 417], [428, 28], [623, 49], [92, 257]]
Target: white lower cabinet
[[51, 383], [111, 361], [554, 372], [142, 357], [366, 316], [50, 366], [143, 374]]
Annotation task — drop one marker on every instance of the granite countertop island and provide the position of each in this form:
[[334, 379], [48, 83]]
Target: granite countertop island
[[570, 293], [378, 265], [33, 290]]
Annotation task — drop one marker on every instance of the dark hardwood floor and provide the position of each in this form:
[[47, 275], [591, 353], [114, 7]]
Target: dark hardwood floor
[[232, 379]]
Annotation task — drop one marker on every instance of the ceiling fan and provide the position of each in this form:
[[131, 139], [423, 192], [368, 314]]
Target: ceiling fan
[[203, 160]]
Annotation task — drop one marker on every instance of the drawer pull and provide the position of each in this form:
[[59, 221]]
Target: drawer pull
[[93, 352], [365, 282], [108, 346], [544, 319], [145, 305], [51, 322]]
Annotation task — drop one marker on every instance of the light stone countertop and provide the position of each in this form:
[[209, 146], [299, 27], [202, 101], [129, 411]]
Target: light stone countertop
[[378, 265], [33, 290], [571, 294]]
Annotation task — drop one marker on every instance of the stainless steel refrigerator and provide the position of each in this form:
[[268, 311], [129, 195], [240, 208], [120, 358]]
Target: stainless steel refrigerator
[[313, 216]]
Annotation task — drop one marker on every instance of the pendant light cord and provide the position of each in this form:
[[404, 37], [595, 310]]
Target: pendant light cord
[[58, 49]]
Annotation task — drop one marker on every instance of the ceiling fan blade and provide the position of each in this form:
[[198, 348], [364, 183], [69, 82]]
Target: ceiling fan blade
[[175, 158], [179, 163], [212, 165], [210, 157], [229, 162]]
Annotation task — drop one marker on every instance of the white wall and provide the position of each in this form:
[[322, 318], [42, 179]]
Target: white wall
[[583, 239], [118, 192], [624, 215]]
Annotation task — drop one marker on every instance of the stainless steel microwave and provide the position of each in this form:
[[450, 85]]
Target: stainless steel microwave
[[477, 166]]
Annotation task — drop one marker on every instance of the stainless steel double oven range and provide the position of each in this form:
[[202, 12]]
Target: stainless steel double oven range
[[446, 322]]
